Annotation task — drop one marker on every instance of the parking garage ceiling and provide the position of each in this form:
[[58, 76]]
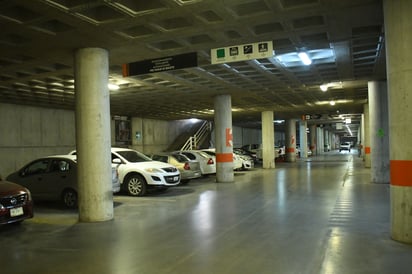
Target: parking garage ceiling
[[345, 40]]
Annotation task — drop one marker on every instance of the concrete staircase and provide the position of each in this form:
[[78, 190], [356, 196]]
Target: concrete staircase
[[195, 136]]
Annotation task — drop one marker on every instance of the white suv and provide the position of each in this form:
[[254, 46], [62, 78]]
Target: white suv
[[137, 172]]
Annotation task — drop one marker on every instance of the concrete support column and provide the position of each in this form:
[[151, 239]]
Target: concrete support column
[[223, 139], [303, 139], [367, 143], [398, 37], [319, 133], [363, 135], [290, 144], [331, 140], [313, 139], [93, 142], [268, 140], [325, 139], [379, 131]]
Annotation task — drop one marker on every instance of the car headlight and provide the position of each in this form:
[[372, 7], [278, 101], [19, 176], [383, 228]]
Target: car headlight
[[28, 195], [153, 170]]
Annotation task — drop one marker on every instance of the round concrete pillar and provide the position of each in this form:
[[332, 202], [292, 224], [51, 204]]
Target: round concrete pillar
[[319, 133], [303, 139], [378, 123], [93, 140], [367, 142], [290, 145], [313, 139], [268, 140], [224, 138], [398, 37]]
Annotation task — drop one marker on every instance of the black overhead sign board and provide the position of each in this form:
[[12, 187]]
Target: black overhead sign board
[[181, 61]]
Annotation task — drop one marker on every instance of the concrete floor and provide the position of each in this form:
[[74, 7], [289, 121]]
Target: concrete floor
[[316, 216]]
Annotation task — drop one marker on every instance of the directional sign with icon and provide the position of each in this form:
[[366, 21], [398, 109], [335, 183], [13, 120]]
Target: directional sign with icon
[[242, 52]]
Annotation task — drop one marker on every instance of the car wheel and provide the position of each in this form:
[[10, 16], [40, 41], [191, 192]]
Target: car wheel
[[69, 198], [136, 185]]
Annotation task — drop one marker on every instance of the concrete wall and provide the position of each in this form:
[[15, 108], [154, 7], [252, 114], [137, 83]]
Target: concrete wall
[[27, 133], [155, 135], [243, 136], [30, 132]]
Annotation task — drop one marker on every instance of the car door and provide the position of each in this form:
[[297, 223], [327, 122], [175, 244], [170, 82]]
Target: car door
[[60, 176], [32, 175]]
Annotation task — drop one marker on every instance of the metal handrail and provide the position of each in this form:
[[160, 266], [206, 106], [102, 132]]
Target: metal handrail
[[192, 141]]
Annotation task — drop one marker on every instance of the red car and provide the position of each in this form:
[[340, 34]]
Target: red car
[[16, 204]]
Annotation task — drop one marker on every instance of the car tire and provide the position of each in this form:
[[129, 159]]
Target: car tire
[[69, 198], [135, 185]]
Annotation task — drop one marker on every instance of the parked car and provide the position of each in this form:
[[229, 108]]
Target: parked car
[[138, 172], [237, 162], [247, 161], [16, 203], [54, 178], [344, 146], [253, 150], [207, 162], [280, 151], [256, 156], [189, 169]]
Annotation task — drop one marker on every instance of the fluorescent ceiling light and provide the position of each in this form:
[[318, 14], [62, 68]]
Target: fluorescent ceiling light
[[305, 58], [193, 120], [334, 85], [292, 59], [332, 103]]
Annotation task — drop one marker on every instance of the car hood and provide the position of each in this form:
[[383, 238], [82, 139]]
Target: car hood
[[152, 164], [7, 188]]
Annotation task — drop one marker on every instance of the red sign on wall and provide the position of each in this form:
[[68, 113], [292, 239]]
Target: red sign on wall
[[229, 137]]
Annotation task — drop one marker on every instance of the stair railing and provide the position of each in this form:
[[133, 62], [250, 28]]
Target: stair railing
[[193, 141]]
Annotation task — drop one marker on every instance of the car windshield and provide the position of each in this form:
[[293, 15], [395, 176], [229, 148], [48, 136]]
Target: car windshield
[[210, 152], [134, 156], [180, 158], [204, 154]]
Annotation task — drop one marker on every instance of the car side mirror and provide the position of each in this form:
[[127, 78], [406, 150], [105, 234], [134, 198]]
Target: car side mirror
[[117, 161]]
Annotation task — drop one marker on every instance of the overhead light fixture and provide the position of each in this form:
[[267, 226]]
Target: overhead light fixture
[[304, 57], [332, 103], [333, 85], [193, 120], [323, 88], [292, 59], [113, 86]]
